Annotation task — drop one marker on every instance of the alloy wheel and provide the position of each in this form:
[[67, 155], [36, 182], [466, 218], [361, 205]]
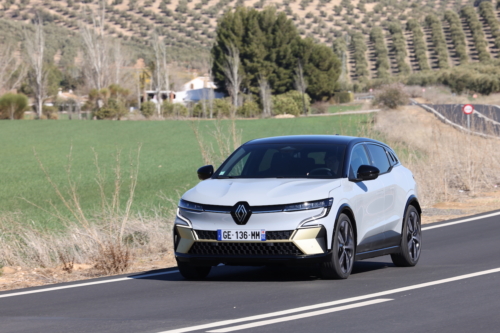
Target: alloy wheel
[[345, 246], [413, 236]]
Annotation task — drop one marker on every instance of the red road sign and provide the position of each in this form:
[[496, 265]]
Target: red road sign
[[467, 109]]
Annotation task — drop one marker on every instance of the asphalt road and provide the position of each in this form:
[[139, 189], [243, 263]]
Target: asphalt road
[[454, 288]]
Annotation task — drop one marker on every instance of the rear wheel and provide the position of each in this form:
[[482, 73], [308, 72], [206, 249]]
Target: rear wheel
[[340, 266], [192, 272], [411, 240]]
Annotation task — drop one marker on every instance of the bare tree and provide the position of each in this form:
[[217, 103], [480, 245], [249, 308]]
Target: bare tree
[[265, 96], [120, 61], [11, 71], [301, 84], [35, 49], [97, 69], [233, 74], [161, 74]]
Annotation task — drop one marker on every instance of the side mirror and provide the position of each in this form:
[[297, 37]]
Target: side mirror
[[366, 172], [205, 172]]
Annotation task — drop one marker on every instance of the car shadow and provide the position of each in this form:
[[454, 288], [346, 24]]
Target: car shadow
[[261, 273]]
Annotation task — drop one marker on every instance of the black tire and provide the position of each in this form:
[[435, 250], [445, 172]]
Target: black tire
[[411, 240], [343, 251], [192, 272]]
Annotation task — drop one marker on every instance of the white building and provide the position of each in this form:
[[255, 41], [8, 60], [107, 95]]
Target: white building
[[199, 83], [197, 89]]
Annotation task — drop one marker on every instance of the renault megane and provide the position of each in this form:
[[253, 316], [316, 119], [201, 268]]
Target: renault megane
[[324, 200]]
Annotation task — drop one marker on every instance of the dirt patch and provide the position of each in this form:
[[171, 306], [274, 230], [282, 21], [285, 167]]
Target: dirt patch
[[465, 206], [18, 277]]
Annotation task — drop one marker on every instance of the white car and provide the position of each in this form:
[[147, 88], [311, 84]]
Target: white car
[[314, 199]]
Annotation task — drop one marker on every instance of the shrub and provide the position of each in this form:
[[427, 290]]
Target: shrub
[[438, 40], [382, 62], [488, 13], [359, 45], [343, 97], [12, 106], [49, 112], [320, 107], [249, 109], [399, 48], [470, 15], [391, 97], [174, 109], [148, 109], [457, 36], [112, 109], [222, 107], [418, 43], [290, 103]]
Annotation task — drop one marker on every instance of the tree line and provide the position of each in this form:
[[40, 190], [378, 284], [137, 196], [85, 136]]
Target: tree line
[[255, 50]]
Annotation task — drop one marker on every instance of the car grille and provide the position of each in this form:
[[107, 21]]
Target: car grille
[[254, 249], [206, 234], [270, 235]]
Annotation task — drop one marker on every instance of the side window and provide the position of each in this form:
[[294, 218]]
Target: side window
[[237, 169], [358, 158], [393, 155], [379, 158], [392, 159]]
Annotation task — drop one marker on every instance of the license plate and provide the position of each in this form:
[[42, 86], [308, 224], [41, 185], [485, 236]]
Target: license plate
[[241, 235]]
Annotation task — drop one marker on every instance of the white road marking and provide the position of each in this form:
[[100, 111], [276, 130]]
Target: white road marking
[[322, 305], [300, 316], [86, 284], [461, 221]]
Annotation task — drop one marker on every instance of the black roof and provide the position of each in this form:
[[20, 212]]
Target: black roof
[[311, 139]]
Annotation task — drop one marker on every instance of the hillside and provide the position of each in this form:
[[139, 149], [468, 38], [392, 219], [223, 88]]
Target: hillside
[[414, 35]]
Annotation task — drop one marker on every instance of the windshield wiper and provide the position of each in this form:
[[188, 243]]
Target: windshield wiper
[[226, 177]]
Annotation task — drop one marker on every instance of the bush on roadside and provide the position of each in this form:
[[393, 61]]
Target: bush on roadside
[[12, 106], [249, 109], [222, 107], [49, 112], [391, 97], [343, 97], [291, 102], [113, 109], [148, 109], [320, 107], [174, 109]]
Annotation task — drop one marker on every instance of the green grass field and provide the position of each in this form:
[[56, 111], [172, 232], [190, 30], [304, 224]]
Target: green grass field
[[169, 158], [344, 108]]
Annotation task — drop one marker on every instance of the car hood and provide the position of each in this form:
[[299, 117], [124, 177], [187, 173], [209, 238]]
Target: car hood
[[260, 192]]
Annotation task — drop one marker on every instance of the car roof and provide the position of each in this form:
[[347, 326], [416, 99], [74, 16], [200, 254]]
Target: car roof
[[312, 139]]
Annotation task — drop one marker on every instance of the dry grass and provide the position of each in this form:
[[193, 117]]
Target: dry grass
[[227, 138], [445, 161], [106, 239]]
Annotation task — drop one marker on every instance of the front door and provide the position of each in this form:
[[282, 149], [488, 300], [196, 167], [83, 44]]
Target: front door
[[368, 203]]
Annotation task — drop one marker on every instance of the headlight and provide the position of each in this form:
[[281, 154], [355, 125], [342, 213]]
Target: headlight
[[190, 205], [182, 220], [325, 203]]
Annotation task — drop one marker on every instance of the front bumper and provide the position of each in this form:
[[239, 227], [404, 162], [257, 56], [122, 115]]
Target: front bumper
[[295, 247]]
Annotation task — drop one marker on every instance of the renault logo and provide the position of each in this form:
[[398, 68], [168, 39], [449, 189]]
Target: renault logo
[[241, 213]]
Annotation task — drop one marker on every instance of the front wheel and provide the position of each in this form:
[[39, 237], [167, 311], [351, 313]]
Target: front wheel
[[340, 266], [191, 272], [411, 240]]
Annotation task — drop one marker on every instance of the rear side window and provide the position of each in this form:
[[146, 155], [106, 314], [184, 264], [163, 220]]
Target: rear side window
[[392, 157], [379, 158]]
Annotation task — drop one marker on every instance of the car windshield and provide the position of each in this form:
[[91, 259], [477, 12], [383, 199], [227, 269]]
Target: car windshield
[[284, 161]]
